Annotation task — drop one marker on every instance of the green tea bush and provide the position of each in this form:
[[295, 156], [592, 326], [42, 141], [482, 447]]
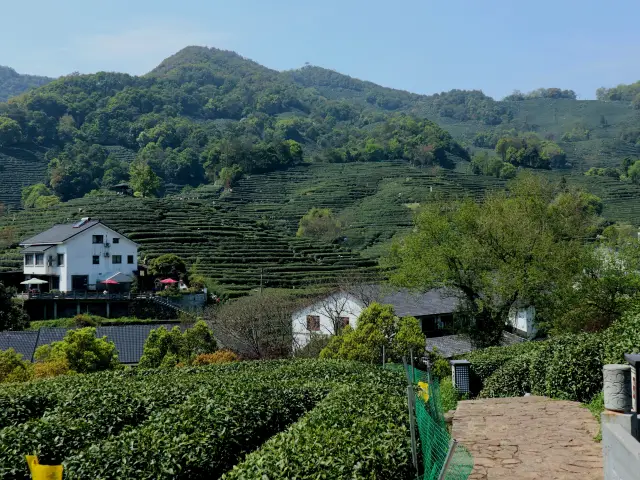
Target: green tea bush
[[510, 380], [197, 422]]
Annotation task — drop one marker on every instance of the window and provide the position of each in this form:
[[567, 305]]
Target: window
[[39, 259], [96, 259], [313, 323], [116, 240], [344, 321], [116, 259], [28, 259], [98, 239], [61, 259], [130, 259]]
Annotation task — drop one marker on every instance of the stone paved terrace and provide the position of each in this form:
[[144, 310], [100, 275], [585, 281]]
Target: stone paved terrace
[[529, 438]]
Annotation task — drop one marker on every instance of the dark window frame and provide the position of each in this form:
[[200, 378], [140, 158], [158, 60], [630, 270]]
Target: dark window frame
[[130, 260], [39, 260], [116, 259], [116, 240], [61, 257], [96, 257], [32, 257], [96, 239], [344, 321], [313, 323]]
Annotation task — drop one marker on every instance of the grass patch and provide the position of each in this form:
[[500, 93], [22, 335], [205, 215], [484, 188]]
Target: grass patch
[[596, 407]]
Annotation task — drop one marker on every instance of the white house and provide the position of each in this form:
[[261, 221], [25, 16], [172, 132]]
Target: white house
[[80, 256], [433, 309]]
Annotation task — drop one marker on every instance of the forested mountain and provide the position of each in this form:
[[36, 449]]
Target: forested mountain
[[200, 111], [12, 83], [205, 115]]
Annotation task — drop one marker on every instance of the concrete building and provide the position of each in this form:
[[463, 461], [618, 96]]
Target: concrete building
[[80, 256]]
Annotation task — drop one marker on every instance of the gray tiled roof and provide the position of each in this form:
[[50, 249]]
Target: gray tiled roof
[[36, 248], [129, 339], [58, 233], [434, 302], [452, 345]]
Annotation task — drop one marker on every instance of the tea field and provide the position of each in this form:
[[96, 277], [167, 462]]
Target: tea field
[[279, 419]]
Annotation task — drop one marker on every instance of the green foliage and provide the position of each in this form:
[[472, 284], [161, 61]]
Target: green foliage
[[82, 350], [449, 395], [622, 92], [143, 179], [611, 172], [377, 326], [12, 317], [10, 132], [483, 164], [166, 349], [579, 133], [13, 368], [229, 175], [167, 264], [512, 379], [320, 224], [13, 83], [197, 423], [510, 247], [530, 151], [553, 93], [38, 196]]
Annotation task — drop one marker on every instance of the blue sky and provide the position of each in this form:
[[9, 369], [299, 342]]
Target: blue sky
[[423, 46]]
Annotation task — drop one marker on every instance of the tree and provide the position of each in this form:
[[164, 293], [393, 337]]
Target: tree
[[12, 317], [168, 264], [634, 172], [82, 350], [167, 349], [608, 286], [10, 132], [13, 368], [143, 180], [229, 175], [256, 326], [319, 224], [377, 326], [32, 193], [514, 247]]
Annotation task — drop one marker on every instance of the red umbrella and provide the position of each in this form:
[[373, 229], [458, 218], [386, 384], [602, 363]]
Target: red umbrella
[[109, 281], [168, 280]]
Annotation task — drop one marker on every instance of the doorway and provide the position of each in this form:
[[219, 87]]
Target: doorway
[[79, 282]]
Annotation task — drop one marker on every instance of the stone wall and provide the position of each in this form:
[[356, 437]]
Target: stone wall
[[621, 453]]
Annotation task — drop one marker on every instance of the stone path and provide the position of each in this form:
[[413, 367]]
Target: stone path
[[529, 438]]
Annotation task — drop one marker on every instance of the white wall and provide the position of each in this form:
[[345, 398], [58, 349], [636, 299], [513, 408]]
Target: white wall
[[522, 319], [81, 249], [333, 306]]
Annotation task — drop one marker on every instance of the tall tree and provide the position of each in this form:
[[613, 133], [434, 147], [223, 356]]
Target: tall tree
[[513, 247], [143, 180]]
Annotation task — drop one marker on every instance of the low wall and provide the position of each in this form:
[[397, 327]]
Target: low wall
[[621, 452]]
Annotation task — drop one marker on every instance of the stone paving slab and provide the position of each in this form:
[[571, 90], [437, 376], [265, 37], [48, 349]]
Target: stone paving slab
[[529, 438]]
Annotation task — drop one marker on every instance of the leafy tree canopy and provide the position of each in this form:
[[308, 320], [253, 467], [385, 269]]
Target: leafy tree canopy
[[167, 264], [164, 348], [319, 223]]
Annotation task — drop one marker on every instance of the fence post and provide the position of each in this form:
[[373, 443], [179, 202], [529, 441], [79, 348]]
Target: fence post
[[413, 370], [447, 461], [412, 427]]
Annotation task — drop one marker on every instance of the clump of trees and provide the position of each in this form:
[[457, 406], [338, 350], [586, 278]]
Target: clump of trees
[[530, 151], [167, 349], [522, 246], [624, 93], [377, 327], [38, 196], [554, 93], [12, 317], [483, 164], [319, 224]]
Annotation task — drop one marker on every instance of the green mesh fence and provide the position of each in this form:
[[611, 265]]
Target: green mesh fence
[[435, 442]]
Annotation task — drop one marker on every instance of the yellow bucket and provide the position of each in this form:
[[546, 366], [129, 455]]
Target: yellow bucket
[[43, 472]]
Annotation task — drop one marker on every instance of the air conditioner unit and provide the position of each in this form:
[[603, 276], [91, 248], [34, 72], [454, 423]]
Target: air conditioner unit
[[106, 254], [107, 245]]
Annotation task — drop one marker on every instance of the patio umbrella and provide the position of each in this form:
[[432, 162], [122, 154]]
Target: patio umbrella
[[109, 281], [34, 281], [167, 281]]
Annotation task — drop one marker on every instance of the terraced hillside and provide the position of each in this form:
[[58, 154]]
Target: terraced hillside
[[228, 249], [20, 166]]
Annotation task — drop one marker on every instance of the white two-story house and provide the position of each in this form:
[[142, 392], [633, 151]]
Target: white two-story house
[[80, 256]]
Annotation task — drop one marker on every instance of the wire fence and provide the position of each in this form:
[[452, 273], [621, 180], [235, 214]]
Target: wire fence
[[440, 456]]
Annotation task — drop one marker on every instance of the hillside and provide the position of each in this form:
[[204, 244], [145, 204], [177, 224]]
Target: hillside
[[12, 83]]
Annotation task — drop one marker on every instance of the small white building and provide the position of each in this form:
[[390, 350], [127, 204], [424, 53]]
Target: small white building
[[433, 309], [80, 256]]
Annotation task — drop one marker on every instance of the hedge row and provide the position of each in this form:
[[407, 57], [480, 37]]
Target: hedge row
[[567, 367], [197, 422]]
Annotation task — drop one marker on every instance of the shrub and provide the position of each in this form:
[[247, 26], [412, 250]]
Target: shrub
[[221, 356], [448, 395], [82, 350], [510, 380], [164, 348], [622, 337], [13, 368], [52, 368], [440, 366]]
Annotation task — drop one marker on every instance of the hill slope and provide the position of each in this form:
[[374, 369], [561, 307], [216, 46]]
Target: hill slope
[[12, 83]]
